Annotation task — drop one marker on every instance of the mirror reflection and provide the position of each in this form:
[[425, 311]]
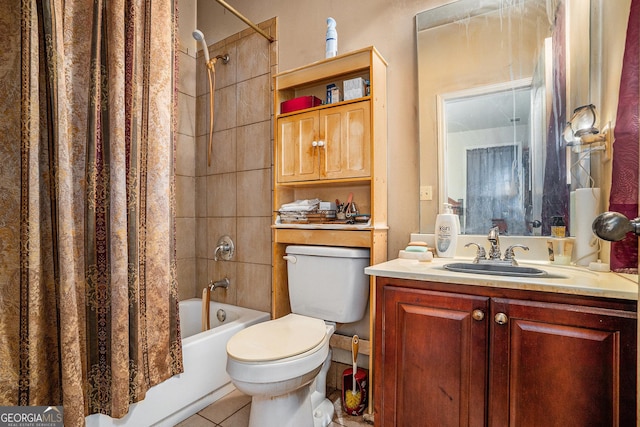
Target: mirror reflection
[[493, 90], [489, 129]]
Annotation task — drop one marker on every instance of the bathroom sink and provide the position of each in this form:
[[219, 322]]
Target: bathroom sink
[[495, 269]]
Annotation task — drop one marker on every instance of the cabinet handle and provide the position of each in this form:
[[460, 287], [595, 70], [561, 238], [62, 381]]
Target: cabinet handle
[[314, 144], [501, 318], [320, 143], [477, 314]]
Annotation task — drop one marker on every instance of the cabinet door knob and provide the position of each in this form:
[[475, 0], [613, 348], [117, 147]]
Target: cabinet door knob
[[501, 318], [314, 144], [477, 314], [320, 143]]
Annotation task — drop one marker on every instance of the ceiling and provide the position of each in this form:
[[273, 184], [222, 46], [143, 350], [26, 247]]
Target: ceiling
[[485, 111]]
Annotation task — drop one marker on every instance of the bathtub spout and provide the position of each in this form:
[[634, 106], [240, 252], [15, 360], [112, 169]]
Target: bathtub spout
[[224, 283]]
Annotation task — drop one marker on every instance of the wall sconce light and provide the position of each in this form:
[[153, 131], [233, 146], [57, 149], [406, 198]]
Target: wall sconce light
[[582, 131]]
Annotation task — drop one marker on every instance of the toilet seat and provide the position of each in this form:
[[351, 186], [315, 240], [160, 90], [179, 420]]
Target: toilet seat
[[277, 339]]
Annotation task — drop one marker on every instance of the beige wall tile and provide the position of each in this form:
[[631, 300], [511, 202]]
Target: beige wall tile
[[254, 193], [254, 240], [186, 271], [202, 81], [186, 114], [253, 54], [185, 155], [202, 237], [185, 196], [253, 144], [202, 115], [201, 196], [185, 238], [202, 145], [225, 108], [223, 156], [187, 74], [254, 100], [254, 286], [202, 274], [221, 195]]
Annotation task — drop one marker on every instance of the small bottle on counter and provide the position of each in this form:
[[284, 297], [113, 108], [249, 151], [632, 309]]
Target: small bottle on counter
[[558, 227], [447, 230]]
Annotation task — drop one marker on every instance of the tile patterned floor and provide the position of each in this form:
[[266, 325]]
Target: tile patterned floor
[[233, 411]]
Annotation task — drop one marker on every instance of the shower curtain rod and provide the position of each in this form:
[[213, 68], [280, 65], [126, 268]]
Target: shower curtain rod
[[245, 20]]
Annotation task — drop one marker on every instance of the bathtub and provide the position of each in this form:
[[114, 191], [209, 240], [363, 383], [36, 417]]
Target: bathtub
[[204, 379]]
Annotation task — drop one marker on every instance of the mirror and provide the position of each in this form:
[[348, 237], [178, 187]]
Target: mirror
[[496, 80]]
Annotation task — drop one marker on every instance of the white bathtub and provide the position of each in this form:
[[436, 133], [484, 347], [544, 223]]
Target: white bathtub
[[204, 379]]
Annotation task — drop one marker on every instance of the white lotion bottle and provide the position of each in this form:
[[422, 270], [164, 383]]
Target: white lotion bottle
[[331, 39], [447, 230]]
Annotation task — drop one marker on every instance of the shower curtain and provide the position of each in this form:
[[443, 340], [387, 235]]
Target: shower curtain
[[88, 290]]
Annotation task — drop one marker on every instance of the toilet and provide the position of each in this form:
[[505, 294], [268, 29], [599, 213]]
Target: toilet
[[282, 363]]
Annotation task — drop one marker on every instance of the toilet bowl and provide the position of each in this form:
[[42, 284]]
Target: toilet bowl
[[282, 363], [279, 364]]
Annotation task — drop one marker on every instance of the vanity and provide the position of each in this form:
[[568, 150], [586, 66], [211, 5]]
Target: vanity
[[466, 349]]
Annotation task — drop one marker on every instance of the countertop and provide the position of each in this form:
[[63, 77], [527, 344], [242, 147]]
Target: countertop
[[563, 279]]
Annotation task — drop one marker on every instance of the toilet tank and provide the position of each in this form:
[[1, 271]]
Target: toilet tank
[[328, 282]]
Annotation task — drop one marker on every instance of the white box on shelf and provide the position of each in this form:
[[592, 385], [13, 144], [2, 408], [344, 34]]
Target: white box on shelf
[[353, 88]]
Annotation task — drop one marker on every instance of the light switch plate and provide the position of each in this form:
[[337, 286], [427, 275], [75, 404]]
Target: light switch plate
[[426, 192]]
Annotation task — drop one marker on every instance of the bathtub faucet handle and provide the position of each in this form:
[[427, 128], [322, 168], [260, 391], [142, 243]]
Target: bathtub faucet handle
[[224, 249], [224, 283]]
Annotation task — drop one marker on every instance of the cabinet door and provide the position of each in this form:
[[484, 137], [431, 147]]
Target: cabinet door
[[345, 132], [561, 365], [434, 359], [296, 147]]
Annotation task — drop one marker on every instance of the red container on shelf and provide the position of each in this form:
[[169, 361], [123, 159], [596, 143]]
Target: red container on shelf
[[299, 103]]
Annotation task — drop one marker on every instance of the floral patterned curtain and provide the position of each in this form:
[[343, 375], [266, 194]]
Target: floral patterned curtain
[[88, 290]]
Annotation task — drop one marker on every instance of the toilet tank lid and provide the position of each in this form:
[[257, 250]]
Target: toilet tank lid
[[329, 251]]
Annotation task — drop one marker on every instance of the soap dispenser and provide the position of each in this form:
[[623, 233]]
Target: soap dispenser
[[447, 231]]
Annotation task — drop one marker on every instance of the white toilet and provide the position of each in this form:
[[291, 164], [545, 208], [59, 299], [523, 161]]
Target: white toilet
[[276, 362]]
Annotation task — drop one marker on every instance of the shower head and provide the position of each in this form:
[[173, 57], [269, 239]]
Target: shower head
[[197, 34]]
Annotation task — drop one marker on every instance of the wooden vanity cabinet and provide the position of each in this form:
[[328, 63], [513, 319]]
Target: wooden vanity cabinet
[[455, 355]]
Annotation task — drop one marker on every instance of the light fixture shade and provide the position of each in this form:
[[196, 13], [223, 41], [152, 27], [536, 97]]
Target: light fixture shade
[[568, 136], [584, 121]]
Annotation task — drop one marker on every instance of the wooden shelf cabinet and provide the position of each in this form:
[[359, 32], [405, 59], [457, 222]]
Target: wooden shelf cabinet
[[328, 152], [454, 355]]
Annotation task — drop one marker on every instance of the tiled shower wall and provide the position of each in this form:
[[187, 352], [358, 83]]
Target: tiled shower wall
[[233, 194]]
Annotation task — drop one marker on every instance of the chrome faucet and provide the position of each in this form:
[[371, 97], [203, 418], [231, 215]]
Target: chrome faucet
[[221, 248], [495, 256], [509, 255], [494, 239], [224, 249], [224, 283]]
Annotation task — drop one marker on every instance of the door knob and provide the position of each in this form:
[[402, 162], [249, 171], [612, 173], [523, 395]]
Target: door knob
[[501, 318], [477, 314]]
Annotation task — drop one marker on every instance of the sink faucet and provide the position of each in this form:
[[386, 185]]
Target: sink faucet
[[494, 239], [224, 283]]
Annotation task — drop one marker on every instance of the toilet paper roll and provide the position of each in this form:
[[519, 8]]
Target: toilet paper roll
[[585, 206]]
